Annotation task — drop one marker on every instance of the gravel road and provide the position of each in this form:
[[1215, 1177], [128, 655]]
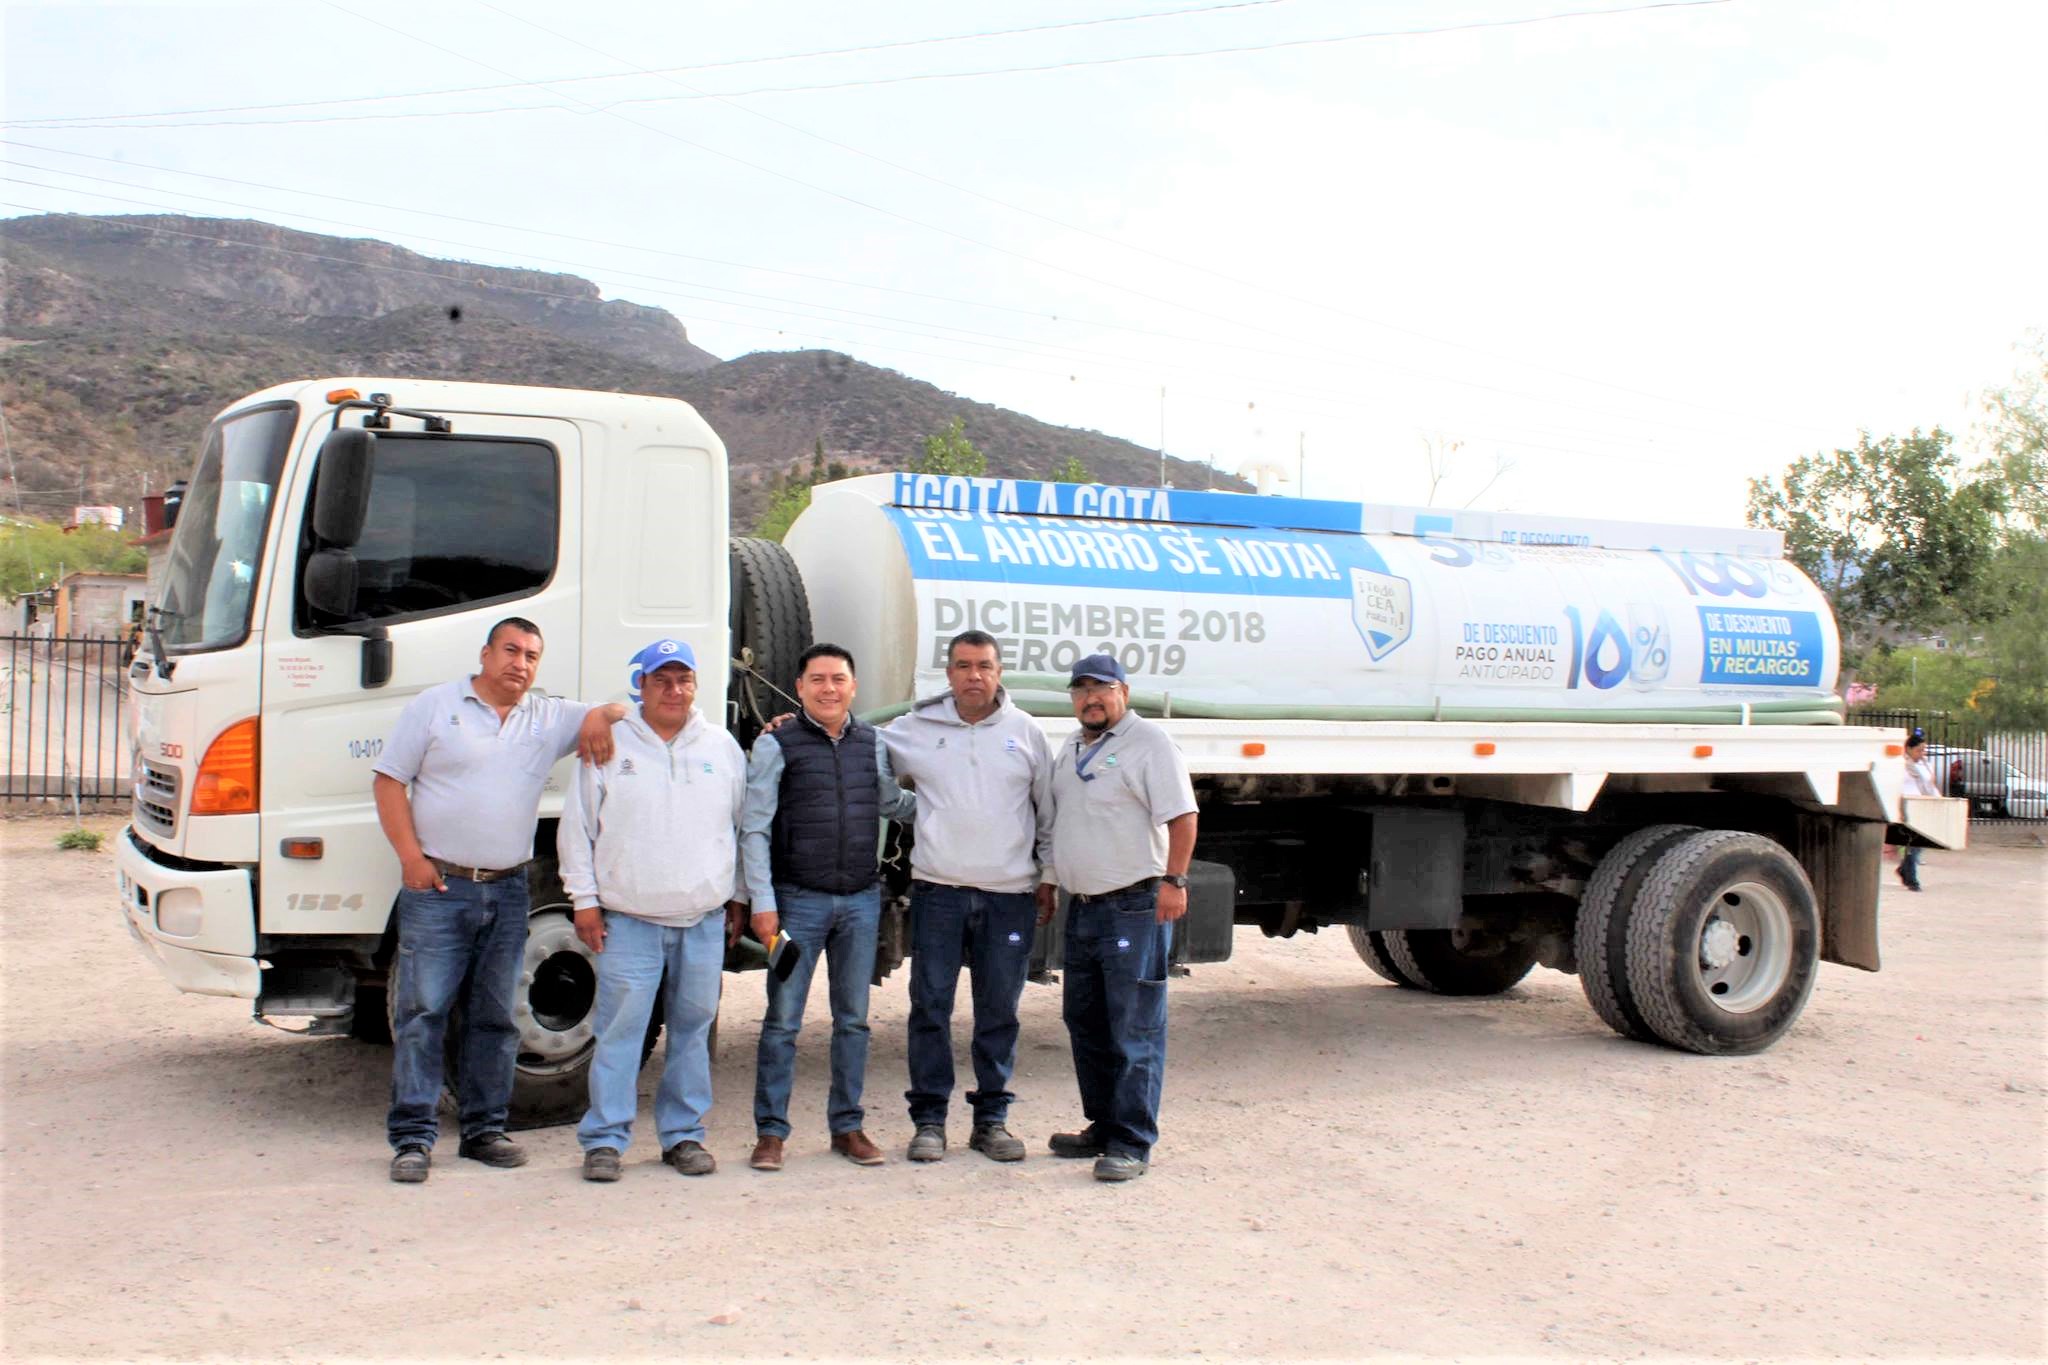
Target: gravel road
[[1347, 1170]]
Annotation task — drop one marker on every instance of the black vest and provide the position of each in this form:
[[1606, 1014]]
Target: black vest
[[828, 820]]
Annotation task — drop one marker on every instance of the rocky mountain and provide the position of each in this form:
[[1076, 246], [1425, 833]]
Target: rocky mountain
[[120, 338]]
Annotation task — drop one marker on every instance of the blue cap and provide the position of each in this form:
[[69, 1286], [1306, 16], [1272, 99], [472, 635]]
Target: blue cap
[[653, 657], [1101, 667]]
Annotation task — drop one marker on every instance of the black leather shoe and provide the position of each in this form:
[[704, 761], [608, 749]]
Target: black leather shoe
[[493, 1149], [410, 1165], [1114, 1168]]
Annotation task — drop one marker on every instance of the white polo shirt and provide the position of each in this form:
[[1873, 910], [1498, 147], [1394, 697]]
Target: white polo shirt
[[476, 782], [1110, 808]]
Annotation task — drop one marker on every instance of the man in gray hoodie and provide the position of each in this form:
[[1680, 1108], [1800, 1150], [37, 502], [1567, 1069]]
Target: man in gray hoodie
[[649, 853], [981, 768]]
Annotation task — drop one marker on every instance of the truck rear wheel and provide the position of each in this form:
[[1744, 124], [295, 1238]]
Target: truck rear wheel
[[555, 1013], [1459, 961], [1371, 947], [1600, 937], [1723, 943]]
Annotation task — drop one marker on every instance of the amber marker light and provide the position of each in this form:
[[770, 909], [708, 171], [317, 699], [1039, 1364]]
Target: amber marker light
[[1484, 748], [1894, 750], [1253, 749], [343, 395], [303, 848], [1702, 751], [226, 783]]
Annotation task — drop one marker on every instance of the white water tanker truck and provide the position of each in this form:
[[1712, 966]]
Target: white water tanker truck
[[1477, 742]]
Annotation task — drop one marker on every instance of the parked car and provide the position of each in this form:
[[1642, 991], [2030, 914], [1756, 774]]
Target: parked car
[[1992, 785]]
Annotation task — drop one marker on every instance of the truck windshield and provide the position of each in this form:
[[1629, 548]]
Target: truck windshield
[[210, 582]]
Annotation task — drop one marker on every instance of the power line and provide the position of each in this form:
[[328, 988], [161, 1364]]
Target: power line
[[879, 322], [1073, 64], [1321, 305], [113, 119]]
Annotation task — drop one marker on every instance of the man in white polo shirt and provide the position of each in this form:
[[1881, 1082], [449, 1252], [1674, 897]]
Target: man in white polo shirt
[[475, 755], [649, 846], [1123, 833]]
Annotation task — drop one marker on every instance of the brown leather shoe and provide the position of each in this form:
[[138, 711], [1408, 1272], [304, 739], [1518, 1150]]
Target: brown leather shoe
[[856, 1147], [767, 1154]]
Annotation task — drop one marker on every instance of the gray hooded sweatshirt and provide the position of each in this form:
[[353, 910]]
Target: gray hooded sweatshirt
[[983, 817], [655, 832]]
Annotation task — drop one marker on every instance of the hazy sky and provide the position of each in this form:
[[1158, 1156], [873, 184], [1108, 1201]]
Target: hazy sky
[[1624, 256]]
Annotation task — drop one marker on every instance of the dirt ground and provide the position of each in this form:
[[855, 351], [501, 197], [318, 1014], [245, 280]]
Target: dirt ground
[[1347, 1170]]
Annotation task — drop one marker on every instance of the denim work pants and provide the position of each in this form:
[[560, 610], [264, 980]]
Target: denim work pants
[[991, 932], [465, 943], [1115, 1008], [843, 930], [1909, 865], [629, 973]]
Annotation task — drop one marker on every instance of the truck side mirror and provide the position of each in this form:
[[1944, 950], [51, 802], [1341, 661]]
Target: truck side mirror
[[341, 498], [329, 582]]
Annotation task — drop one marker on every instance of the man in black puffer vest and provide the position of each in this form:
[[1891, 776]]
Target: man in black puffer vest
[[817, 791]]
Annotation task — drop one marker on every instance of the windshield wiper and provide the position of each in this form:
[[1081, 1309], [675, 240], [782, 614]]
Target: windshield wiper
[[164, 665]]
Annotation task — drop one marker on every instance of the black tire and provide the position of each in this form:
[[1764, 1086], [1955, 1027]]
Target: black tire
[[1600, 936], [1723, 943], [771, 628], [1371, 947], [1454, 962]]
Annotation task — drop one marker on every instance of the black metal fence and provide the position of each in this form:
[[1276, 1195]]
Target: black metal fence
[[64, 702], [2003, 773]]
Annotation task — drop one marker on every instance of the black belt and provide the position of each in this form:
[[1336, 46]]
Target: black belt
[[1142, 884], [478, 874]]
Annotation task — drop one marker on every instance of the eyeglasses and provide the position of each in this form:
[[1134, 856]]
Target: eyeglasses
[[1092, 688]]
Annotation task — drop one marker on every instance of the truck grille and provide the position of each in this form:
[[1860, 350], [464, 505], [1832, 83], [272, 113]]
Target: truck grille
[[156, 799]]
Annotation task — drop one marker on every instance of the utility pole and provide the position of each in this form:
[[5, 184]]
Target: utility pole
[[8, 446], [1162, 435]]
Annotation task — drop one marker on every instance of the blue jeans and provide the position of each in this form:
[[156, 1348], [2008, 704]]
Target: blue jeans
[[629, 973], [991, 932], [843, 929], [464, 943], [1115, 1008], [1909, 865]]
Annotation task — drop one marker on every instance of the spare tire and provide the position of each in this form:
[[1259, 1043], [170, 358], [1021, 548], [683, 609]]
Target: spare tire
[[770, 621]]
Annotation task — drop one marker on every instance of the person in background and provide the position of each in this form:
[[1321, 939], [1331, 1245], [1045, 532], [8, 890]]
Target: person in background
[[1919, 782], [649, 852]]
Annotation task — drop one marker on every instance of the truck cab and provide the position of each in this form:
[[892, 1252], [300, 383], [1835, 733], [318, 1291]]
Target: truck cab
[[343, 545]]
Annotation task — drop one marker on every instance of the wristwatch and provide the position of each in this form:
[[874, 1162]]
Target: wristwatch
[[1175, 879]]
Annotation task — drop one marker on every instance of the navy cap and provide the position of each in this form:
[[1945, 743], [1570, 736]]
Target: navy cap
[[1100, 667], [654, 656]]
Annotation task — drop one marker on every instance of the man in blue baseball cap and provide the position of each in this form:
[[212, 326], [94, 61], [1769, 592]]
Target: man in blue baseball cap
[[1123, 833], [649, 854]]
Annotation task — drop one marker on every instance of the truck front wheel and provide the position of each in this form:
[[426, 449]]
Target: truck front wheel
[[1459, 961], [1723, 943]]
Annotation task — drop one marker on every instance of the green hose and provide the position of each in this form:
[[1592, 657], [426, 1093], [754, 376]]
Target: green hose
[[1045, 694]]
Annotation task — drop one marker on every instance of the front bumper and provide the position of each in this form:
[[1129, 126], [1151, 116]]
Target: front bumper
[[198, 927]]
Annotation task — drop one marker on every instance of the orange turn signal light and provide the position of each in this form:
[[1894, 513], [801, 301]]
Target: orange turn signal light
[[1484, 748], [302, 848], [226, 782], [1253, 749], [343, 395], [1894, 750], [1702, 751]]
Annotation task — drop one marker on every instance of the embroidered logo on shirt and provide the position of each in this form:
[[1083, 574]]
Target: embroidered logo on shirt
[[708, 768], [625, 767], [1016, 937], [1109, 760], [1122, 944], [942, 742], [1010, 745]]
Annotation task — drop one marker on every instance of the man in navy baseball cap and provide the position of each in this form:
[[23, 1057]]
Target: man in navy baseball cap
[[1099, 668]]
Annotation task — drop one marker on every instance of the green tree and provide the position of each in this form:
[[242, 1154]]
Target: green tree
[[1896, 532], [32, 553], [950, 452], [1070, 470], [2018, 429]]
